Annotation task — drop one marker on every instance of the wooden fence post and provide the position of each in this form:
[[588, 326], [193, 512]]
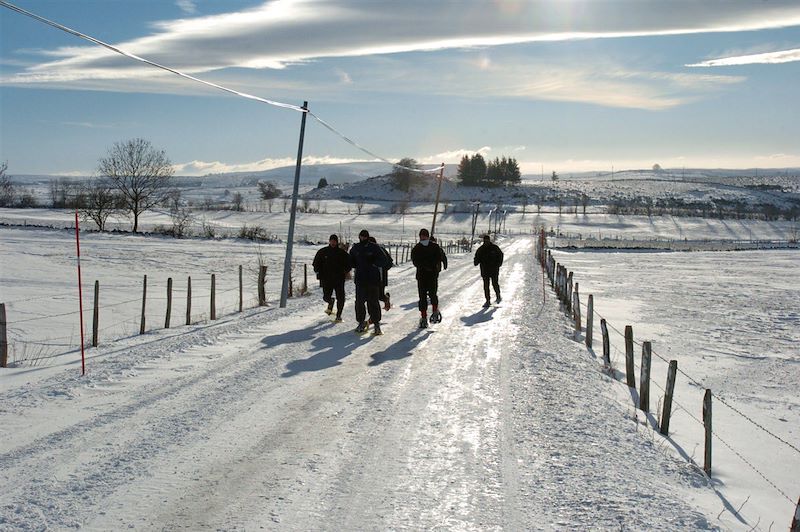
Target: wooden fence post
[[305, 279], [568, 294], [213, 296], [667, 412], [644, 384], [629, 367], [606, 343], [576, 309], [3, 337], [707, 423], [144, 301], [169, 302], [96, 314], [189, 301], [262, 278], [589, 320], [240, 288]]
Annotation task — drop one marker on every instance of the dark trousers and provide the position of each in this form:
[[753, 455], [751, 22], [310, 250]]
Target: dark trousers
[[367, 300], [428, 287], [328, 288], [495, 284]]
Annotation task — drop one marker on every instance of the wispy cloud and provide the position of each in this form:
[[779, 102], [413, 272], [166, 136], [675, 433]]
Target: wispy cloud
[[783, 56], [594, 80], [284, 32], [89, 125], [187, 6], [198, 168]]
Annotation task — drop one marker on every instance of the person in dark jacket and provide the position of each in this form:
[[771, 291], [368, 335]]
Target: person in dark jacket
[[385, 297], [428, 258], [331, 265], [367, 259], [489, 257]]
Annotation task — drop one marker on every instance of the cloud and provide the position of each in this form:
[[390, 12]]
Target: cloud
[[783, 56], [278, 33], [198, 168], [594, 80], [89, 125], [187, 6]]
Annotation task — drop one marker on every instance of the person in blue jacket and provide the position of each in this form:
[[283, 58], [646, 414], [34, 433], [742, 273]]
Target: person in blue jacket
[[368, 260]]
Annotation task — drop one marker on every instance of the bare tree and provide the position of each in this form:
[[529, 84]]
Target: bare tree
[[402, 206], [268, 190], [181, 221], [360, 206], [306, 204], [7, 191], [99, 202], [270, 201], [140, 172], [237, 201]]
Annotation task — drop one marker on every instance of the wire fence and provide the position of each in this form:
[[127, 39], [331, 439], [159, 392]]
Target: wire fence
[[135, 315], [562, 283]]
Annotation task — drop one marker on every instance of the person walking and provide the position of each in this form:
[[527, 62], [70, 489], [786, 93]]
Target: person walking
[[489, 257], [367, 259], [331, 265], [428, 258], [384, 297]]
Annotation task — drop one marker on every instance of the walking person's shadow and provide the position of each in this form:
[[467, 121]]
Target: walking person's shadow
[[401, 349], [482, 316]]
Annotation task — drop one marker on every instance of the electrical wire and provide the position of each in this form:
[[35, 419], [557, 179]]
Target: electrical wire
[[135, 57]]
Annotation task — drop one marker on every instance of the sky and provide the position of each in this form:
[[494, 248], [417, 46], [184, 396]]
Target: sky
[[560, 85]]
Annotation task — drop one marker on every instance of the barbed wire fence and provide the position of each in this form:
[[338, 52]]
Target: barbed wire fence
[[562, 283]]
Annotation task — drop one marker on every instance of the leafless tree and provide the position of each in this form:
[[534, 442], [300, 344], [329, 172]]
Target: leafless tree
[[7, 191], [181, 221], [140, 172], [99, 202], [402, 206], [360, 206], [237, 201]]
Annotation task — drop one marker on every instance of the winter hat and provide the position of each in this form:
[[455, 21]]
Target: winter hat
[[334, 237], [486, 238], [424, 232], [364, 233]]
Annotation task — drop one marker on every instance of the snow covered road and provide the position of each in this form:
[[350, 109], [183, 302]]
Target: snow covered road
[[494, 419]]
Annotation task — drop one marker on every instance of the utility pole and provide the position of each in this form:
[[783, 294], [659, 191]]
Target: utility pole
[[438, 191], [287, 262], [476, 207]]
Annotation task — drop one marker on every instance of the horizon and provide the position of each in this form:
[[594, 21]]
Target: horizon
[[570, 87], [525, 176]]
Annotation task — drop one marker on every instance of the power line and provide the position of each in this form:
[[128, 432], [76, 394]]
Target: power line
[[204, 82], [143, 60]]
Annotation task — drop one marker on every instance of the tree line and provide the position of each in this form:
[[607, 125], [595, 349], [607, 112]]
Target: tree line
[[476, 172]]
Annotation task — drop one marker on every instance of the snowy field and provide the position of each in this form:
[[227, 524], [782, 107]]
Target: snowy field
[[342, 218], [729, 318], [732, 321]]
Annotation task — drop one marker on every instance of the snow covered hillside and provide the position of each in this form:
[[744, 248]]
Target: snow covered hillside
[[279, 419]]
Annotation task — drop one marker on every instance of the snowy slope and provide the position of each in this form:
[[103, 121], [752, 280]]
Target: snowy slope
[[280, 419]]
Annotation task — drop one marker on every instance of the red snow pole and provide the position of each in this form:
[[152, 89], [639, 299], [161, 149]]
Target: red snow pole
[[80, 290]]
